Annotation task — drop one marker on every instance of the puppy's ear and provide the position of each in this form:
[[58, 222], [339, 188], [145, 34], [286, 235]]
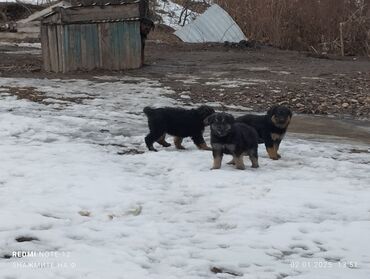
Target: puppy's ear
[[209, 120], [271, 111], [288, 110], [205, 111], [231, 118]]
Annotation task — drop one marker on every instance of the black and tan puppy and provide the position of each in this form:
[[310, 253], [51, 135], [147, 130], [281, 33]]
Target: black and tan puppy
[[271, 127], [177, 122], [236, 139]]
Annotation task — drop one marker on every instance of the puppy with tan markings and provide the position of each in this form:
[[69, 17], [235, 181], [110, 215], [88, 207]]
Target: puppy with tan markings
[[271, 127], [177, 122], [236, 139]]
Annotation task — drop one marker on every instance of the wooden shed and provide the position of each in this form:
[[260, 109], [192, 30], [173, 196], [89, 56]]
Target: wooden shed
[[93, 37]]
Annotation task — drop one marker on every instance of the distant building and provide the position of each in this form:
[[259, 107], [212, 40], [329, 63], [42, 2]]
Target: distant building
[[95, 36]]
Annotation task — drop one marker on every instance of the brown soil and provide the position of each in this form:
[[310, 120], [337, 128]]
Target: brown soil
[[252, 78], [260, 78]]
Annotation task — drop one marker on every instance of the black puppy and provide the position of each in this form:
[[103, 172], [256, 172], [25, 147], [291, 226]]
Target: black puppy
[[271, 127], [177, 122], [228, 137]]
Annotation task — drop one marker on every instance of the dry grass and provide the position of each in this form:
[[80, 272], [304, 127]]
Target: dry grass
[[305, 24]]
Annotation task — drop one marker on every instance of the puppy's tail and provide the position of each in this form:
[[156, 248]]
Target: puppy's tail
[[147, 110]]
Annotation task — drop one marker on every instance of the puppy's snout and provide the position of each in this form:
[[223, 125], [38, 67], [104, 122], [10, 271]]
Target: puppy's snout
[[281, 119], [221, 129]]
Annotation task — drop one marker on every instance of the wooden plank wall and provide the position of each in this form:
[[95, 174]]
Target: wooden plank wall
[[45, 47], [53, 48], [110, 46]]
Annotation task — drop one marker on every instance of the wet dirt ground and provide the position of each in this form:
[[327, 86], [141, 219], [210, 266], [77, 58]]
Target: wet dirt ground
[[328, 96], [260, 78]]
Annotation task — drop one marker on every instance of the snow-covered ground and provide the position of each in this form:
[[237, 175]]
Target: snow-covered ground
[[30, 48], [170, 13], [96, 214], [29, 45]]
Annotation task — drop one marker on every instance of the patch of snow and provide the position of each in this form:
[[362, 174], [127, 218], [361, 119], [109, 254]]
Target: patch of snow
[[258, 69], [185, 96], [111, 105], [31, 45], [165, 214], [35, 2], [170, 13], [312, 78], [190, 81], [281, 72], [32, 52], [34, 45], [230, 83], [234, 83]]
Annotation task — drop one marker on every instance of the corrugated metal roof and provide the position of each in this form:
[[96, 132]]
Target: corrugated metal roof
[[215, 25]]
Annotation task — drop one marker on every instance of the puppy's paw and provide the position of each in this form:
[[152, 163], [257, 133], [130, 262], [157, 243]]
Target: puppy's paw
[[166, 144], [278, 156], [153, 149], [240, 167], [231, 162], [203, 146], [255, 166]]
